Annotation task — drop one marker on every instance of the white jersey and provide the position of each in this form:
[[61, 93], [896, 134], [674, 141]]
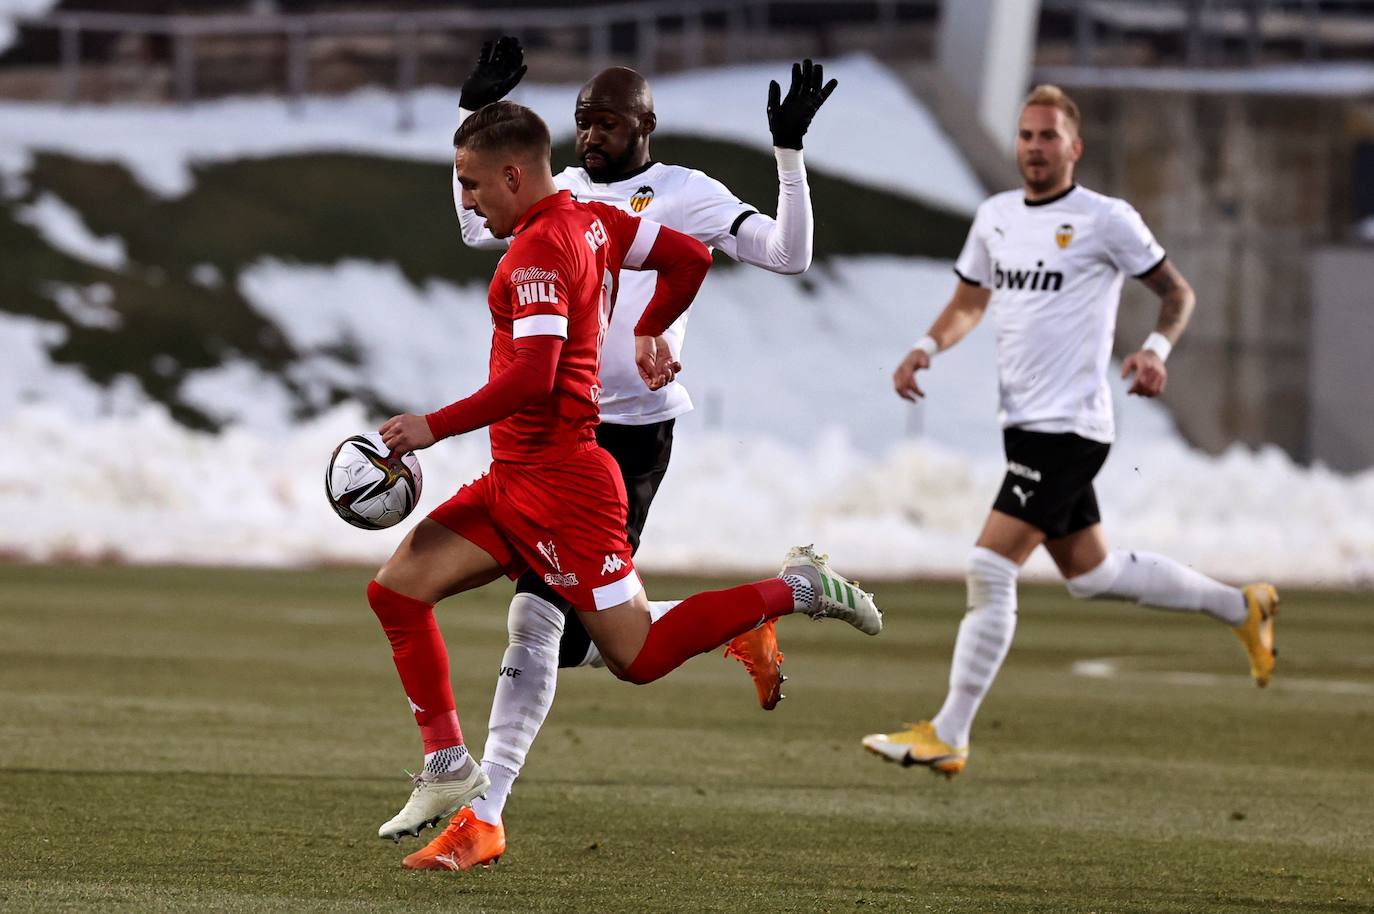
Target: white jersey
[[683, 199], [1055, 268]]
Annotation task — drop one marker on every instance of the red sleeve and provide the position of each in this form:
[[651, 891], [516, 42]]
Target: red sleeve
[[526, 380], [682, 263]]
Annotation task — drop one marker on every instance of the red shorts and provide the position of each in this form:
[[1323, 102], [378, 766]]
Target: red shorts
[[565, 520]]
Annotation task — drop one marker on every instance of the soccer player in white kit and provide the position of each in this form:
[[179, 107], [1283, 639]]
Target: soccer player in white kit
[[614, 118], [1049, 261]]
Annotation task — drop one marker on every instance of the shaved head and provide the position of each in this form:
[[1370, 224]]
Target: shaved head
[[617, 89], [614, 115]]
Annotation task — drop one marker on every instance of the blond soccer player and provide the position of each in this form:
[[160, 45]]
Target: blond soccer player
[[1049, 261]]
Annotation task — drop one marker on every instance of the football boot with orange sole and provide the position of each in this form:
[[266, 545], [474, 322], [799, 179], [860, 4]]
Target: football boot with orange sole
[[758, 650], [467, 842]]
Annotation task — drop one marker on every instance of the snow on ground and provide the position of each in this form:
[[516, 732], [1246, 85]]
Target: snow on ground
[[160, 144], [144, 489], [826, 454], [63, 228]]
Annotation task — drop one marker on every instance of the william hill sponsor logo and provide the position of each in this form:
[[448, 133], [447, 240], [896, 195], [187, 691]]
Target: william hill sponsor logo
[[642, 198], [533, 284], [1037, 280]]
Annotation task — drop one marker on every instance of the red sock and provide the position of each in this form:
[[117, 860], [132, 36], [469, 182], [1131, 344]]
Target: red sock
[[706, 621], [422, 660]]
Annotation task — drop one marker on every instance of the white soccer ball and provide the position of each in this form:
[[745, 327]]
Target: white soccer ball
[[370, 488]]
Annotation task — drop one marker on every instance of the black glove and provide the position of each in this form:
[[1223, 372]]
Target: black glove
[[499, 67], [789, 118]]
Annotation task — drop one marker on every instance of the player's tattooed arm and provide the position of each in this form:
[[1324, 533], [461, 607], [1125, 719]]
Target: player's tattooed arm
[[1176, 299]]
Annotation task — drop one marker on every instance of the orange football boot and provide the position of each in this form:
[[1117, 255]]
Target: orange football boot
[[758, 650], [467, 842]]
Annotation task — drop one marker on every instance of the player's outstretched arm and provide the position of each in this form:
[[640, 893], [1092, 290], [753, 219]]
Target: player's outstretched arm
[[528, 379], [960, 316], [1176, 304], [784, 245]]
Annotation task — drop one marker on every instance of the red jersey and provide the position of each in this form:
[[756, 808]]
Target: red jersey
[[558, 279]]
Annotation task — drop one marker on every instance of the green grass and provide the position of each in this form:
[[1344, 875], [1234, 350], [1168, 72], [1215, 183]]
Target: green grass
[[182, 739]]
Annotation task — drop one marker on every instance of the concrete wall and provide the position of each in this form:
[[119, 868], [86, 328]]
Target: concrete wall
[[1341, 416], [1239, 189]]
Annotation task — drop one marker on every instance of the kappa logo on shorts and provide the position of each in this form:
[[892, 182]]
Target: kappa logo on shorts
[[612, 564], [1024, 496]]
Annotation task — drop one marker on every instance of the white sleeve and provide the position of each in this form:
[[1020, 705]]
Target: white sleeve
[[974, 265], [474, 227], [1130, 244], [782, 245], [711, 213]]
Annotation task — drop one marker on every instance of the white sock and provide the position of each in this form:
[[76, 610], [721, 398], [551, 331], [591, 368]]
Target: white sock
[[524, 693], [982, 643], [1156, 580], [489, 809], [803, 588]]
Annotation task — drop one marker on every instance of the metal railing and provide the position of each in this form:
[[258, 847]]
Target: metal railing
[[1318, 28], [737, 21]]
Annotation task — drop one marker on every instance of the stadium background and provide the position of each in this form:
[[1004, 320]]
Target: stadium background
[[227, 242]]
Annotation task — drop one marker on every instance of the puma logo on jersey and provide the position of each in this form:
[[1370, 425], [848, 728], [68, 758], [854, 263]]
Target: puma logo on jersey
[[1024, 496], [1037, 280], [612, 564]]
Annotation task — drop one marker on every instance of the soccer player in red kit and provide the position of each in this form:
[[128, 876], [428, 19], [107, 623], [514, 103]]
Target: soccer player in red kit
[[553, 500]]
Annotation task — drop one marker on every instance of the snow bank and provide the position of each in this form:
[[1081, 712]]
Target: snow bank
[[910, 154], [144, 489]]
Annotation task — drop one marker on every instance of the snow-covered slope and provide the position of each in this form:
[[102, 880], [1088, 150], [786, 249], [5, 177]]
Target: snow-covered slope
[[797, 436]]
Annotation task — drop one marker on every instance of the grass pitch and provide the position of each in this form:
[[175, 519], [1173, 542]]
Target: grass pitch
[[184, 740]]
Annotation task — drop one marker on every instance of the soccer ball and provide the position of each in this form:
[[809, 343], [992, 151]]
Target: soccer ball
[[368, 487]]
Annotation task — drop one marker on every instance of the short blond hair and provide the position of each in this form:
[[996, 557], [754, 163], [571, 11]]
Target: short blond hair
[[1055, 97]]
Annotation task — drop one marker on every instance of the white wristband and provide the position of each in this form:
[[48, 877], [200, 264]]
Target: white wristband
[[1159, 344], [789, 161], [927, 345]]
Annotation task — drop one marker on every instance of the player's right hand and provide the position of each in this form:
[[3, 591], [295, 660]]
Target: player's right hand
[[655, 360], [904, 378], [499, 68], [406, 433]]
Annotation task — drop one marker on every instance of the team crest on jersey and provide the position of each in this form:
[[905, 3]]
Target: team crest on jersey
[[1063, 235], [642, 198]]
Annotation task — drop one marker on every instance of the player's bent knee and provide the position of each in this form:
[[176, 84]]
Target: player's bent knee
[[990, 577], [1097, 582], [534, 623]]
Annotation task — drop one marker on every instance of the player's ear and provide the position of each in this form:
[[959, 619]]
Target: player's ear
[[511, 176], [648, 123], [1077, 147]]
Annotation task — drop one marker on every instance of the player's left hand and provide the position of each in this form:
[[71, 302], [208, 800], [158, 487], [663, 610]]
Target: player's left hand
[[655, 360], [1149, 370], [406, 433], [789, 117]]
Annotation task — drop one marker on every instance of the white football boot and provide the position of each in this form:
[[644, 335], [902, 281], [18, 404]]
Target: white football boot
[[436, 796], [836, 597]]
